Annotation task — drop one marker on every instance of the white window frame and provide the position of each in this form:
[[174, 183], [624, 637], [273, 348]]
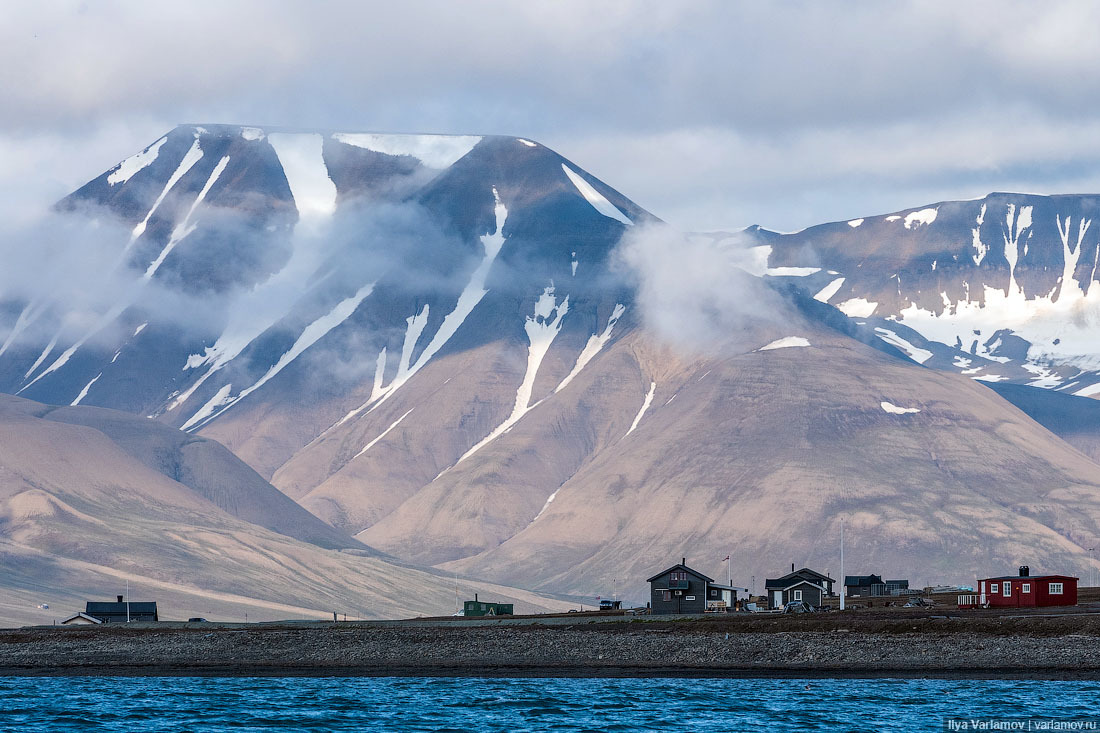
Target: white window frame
[[1006, 588], [994, 588], [796, 595], [1055, 589], [1026, 588]]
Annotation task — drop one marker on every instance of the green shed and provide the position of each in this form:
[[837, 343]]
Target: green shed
[[482, 608]]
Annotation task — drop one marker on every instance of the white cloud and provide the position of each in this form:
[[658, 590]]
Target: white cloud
[[710, 113]]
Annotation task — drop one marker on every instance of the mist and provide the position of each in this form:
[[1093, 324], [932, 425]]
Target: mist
[[692, 292]]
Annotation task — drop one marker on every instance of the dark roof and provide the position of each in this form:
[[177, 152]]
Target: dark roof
[[862, 579], [99, 609], [720, 586], [791, 578], [1032, 577], [680, 566]]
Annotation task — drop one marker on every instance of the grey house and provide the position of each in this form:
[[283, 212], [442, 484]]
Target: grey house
[[864, 586], [808, 586], [680, 589]]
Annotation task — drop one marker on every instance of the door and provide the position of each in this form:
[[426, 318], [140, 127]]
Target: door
[[777, 599]]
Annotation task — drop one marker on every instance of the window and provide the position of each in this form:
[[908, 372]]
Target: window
[[666, 595], [713, 593], [1007, 588], [678, 575], [1055, 589], [993, 588], [1026, 588], [798, 595]]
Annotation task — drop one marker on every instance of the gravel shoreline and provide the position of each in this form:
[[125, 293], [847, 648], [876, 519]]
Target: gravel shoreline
[[1058, 648]]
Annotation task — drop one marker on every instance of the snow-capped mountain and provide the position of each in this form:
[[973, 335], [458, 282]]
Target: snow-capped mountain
[[428, 342], [1002, 289]]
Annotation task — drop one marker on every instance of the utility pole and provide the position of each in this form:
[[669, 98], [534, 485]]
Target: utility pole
[[843, 587], [1092, 568]]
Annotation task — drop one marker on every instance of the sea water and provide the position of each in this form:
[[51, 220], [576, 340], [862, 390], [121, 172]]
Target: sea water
[[240, 704]]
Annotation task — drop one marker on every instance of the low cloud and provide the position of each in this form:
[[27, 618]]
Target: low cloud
[[691, 292]]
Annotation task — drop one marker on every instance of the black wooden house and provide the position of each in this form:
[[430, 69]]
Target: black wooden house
[[122, 611], [680, 589]]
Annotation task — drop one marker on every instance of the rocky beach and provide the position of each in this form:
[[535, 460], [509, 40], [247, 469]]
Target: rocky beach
[[821, 645]]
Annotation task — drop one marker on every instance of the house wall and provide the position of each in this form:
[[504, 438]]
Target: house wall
[[692, 600], [810, 594]]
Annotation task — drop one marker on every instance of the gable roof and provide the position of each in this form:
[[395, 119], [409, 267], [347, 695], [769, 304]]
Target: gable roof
[[862, 579], [790, 579], [86, 617], [1033, 577], [680, 566]]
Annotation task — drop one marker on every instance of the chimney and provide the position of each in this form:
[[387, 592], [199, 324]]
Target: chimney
[[1025, 571], [475, 597], [683, 561], [119, 599], [792, 567]]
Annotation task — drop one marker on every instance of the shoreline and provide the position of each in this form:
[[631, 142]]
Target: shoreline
[[817, 646], [552, 672]]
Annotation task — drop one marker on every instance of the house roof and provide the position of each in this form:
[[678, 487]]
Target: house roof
[[114, 608], [1032, 577], [862, 579], [798, 583], [720, 586], [680, 566], [793, 578], [81, 614]]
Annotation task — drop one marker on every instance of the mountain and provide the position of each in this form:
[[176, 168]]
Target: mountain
[[1000, 289], [437, 346], [83, 515]]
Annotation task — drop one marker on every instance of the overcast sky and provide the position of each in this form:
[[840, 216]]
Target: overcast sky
[[712, 115]]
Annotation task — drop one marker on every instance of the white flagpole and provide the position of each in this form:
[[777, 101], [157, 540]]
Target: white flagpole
[[843, 588]]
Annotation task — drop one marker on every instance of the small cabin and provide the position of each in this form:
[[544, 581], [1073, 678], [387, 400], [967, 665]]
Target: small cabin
[[1023, 591], [478, 607]]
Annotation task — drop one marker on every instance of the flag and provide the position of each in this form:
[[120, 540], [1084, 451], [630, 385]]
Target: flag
[[727, 558]]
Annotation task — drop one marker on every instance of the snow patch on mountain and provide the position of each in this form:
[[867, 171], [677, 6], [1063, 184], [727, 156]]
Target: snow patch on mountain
[[893, 409], [310, 335], [595, 343], [192, 156], [185, 227], [855, 223], [858, 307], [384, 433], [468, 299], [541, 328], [915, 353], [84, 392], [786, 342], [645, 406], [829, 290], [434, 151], [923, 217], [598, 200], [300, 154], [127, 168], [792, 271]]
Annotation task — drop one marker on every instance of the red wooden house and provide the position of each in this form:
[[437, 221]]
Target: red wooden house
[[1023, 590]]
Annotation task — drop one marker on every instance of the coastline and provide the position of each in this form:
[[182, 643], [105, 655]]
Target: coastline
[[835, 645]]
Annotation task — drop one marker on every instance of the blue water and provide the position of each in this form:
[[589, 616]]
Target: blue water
[[90, 704]]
